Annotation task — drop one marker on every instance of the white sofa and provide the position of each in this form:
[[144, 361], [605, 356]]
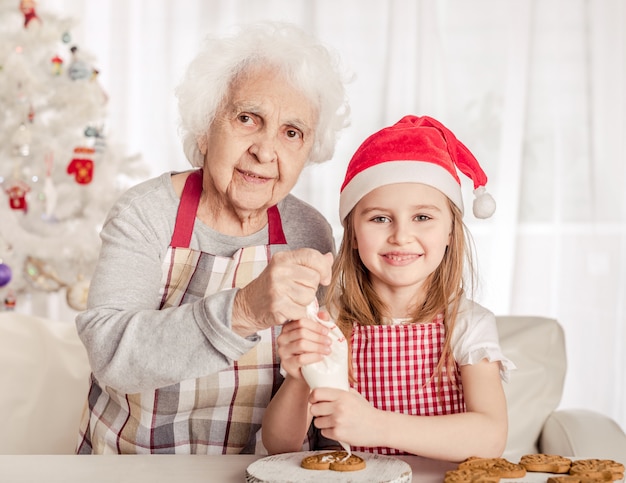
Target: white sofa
[[44, 375], [537, 347]]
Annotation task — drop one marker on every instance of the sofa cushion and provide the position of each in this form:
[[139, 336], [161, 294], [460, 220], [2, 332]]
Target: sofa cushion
[[44, 383], [536, 345]]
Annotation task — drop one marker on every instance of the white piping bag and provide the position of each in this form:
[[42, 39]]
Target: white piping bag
[[332, 370]]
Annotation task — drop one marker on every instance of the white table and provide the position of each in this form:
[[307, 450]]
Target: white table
[[174, 468], [159, 468]]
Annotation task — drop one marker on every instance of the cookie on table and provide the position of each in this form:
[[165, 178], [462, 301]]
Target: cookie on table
[[335, 460], [579, 479], [597, 468], [545, 463], [352, 463], [470, 475], [496, 466], [316, 462]]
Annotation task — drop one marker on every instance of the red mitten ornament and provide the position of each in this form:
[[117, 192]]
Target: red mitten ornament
[[17, 195], [81, 166]]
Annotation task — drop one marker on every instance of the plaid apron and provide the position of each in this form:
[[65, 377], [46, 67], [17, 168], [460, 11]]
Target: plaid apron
[[215, 414], [394, 365]]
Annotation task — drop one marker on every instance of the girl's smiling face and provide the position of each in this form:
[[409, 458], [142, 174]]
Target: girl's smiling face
[[402, 231]]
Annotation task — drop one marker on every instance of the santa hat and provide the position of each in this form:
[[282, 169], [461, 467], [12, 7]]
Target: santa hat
[[414, 150]]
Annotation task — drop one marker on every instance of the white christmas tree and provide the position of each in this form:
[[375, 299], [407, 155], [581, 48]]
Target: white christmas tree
[[59, 174]]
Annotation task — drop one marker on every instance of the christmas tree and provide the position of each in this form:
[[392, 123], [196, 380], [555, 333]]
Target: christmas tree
[[59, 174]]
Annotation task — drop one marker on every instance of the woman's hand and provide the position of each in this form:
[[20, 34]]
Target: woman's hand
[[345, 416], [282, 291], [302, 342]]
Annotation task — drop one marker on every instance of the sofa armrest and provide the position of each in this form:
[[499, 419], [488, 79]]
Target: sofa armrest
[[583, 433]]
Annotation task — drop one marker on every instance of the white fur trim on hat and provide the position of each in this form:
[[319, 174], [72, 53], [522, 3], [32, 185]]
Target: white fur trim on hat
[[391, 172]]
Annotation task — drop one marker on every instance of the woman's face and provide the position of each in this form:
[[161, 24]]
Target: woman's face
[[258, 144], [402, 231]]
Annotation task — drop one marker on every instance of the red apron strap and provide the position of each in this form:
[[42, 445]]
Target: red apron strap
[[187, 209], [275, 227]]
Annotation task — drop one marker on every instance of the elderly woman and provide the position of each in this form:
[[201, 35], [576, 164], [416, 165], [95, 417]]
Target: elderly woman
[[199, 269]]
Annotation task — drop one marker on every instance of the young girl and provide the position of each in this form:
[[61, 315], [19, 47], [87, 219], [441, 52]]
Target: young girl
[[426, 364]]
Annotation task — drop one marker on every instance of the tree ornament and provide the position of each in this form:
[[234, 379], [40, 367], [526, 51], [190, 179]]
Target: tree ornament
[[99, 139], [41, 275], [5, 274], [81, 165], [91, 131], [66, 38], [77, 69], [77, 294], [10, 302], [57, 65], [27, 7], [17, 195]]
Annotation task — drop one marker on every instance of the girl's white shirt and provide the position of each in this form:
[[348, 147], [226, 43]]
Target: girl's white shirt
[[474, 337]]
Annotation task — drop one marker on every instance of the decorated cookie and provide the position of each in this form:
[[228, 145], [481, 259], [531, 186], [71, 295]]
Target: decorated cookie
[[294, 468], [336, 461], [317, 461], [352, 463]]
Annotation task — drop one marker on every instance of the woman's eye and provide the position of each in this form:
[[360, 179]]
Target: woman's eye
[[422, 217], [292, 133], [246, 119]]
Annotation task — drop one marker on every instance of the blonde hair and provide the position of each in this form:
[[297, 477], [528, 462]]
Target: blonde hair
[[352, 298]]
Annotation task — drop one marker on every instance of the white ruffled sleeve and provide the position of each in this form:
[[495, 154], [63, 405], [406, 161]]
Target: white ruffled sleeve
[[475, 337]]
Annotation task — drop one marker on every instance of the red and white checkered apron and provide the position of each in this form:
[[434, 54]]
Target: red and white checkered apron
[[215, 414], [394, 364]]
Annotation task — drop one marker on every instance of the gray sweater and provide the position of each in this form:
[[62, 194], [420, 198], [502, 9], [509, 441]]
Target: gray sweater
[[132, 345]]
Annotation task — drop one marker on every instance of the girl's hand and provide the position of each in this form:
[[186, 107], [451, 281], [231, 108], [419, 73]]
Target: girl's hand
[[302, 342], [345, 416]]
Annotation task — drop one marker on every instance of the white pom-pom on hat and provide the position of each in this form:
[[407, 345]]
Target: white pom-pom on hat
[[484, 205]]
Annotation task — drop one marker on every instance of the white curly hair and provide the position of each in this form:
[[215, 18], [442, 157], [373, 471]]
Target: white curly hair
[[312, 67]]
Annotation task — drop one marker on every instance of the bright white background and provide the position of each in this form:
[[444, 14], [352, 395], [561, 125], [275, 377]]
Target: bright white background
[[534, 88]]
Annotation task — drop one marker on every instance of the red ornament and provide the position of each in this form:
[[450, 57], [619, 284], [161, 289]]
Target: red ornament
[[17, 195], [57, 65], [81, 166], [10, 302], [27, 7]]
